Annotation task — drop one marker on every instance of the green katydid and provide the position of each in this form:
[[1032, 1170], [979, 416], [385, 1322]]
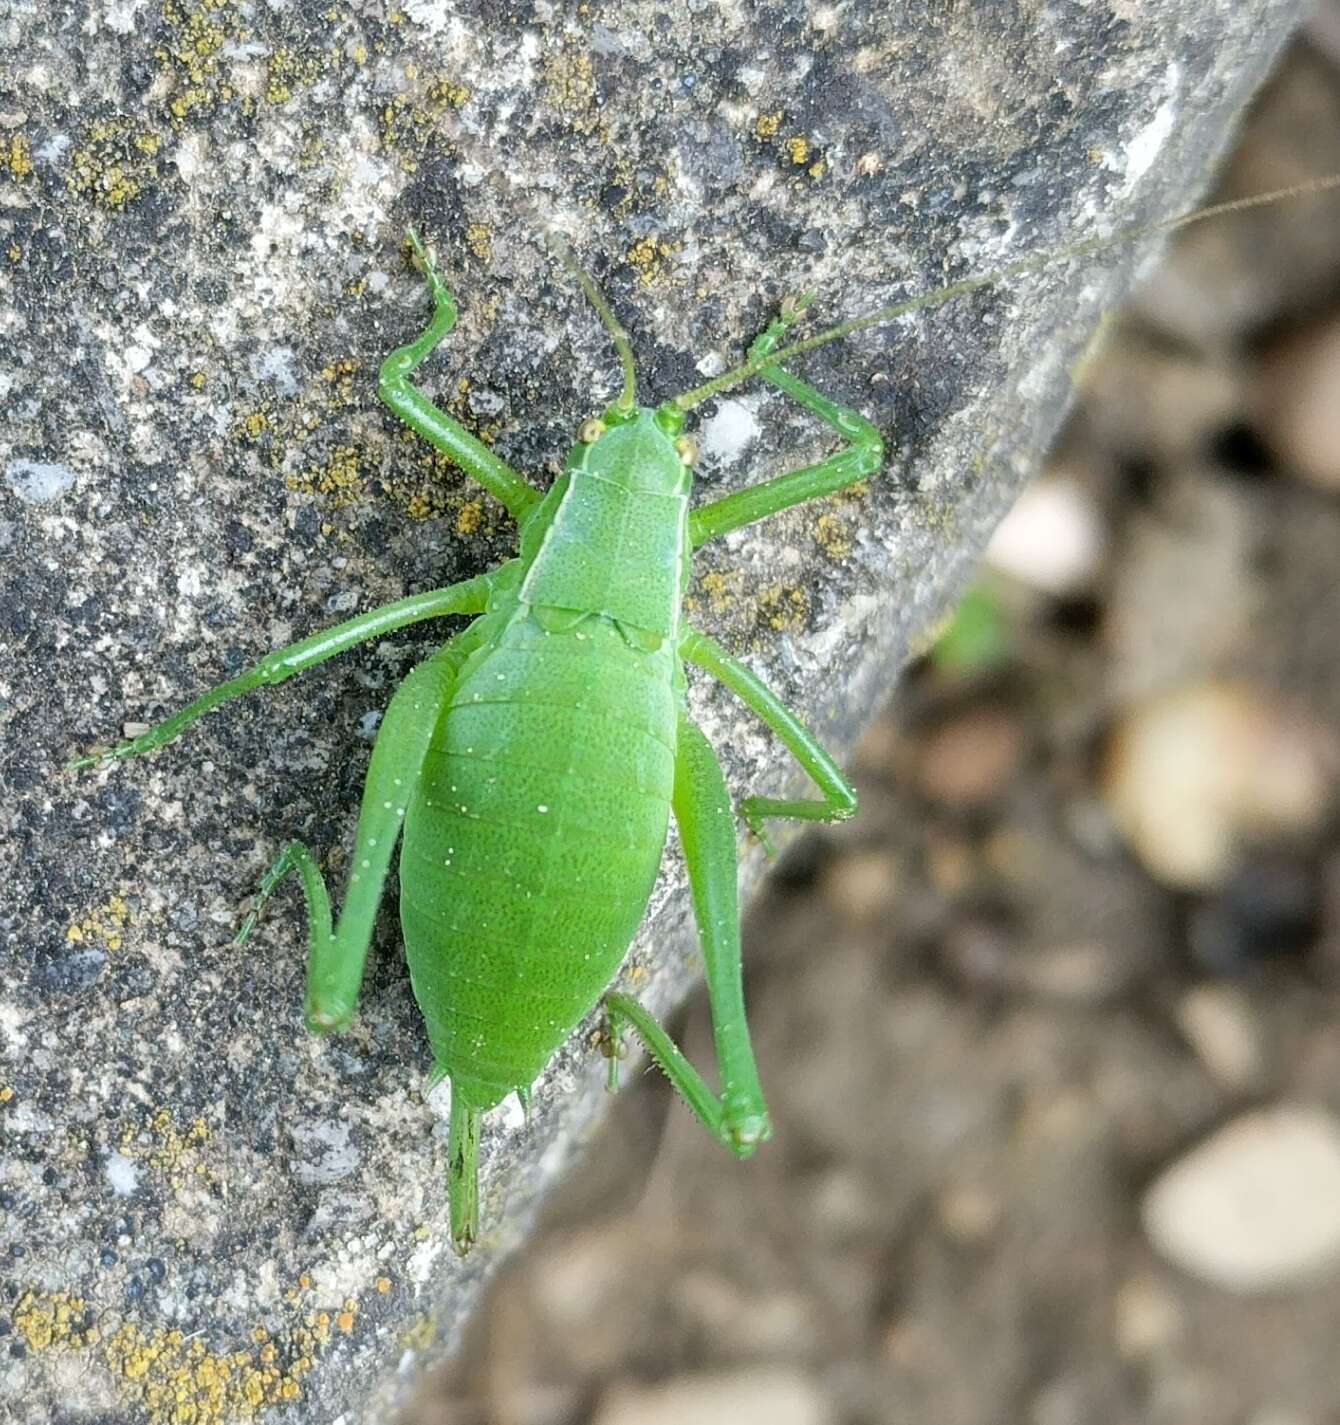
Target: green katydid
[[530, 766]]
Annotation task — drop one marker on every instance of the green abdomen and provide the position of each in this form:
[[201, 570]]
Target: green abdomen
[[532, 846]]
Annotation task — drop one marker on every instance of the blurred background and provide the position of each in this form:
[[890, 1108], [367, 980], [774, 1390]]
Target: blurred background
[[1051, 1032]]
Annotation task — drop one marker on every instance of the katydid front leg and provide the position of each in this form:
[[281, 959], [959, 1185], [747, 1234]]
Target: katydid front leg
[[738, 1116], [469, 597], [436, 427]]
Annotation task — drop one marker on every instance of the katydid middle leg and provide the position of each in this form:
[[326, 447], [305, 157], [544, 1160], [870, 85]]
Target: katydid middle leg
[[468, 597], [862, 457], [738, 1116], [337, 954]]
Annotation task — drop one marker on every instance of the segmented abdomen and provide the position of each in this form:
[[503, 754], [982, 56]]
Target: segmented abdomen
[[533, 842]]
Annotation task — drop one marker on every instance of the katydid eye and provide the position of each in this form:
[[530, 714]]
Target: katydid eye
[[687, 449], [590, 430]]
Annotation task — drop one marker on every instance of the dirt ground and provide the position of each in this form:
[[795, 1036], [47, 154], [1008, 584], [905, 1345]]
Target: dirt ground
[[1041, 966]]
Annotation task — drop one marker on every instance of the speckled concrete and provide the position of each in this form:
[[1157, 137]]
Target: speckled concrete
[[207, 1215]]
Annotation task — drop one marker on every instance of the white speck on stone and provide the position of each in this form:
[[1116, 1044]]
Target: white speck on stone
[[28, 1119], [53, 151], [1146, 146], [122, 1173], [367, 724], [1256, 1207], [422, 1263], [438, 1098], [732, 426], [36, 481], [137, 358], [509, 1114], [275, 364], [190, 156], [119, 15], [323, 1152]]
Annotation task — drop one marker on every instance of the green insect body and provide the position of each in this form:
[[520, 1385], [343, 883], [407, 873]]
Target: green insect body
[[535, 834], [529, 768]]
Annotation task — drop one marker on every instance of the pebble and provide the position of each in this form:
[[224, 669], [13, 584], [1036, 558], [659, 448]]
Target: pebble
[[1298, 403], [1220, 1026], [1193, 775], [1147, 1318], [1053, 540], [763, 1396], [970, 758], [1256, 1207], [862, 885]]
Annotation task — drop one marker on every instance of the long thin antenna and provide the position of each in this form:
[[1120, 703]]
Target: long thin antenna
[[609, 321], [1033, 263]]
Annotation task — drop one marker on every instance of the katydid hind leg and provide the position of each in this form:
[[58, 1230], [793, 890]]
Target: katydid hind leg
[[737, 1116], [337, 955], [468, 597], [861, 457], [439, 429]]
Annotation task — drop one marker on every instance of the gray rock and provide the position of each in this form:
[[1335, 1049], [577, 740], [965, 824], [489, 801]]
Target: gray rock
[[200, 218]]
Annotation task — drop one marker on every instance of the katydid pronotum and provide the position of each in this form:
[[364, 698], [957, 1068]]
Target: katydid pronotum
[[528, 769]]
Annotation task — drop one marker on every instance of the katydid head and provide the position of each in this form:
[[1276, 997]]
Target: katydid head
[[639, 448]]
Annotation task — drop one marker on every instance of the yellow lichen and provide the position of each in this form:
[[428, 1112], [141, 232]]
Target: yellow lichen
[[17, 155], [570, 84], [114, 161], [799, 152], [832, 536], [722, 589], [175, 1379], [104, 925], [420, 1332], [783, 607], [412, 126], [470, 516], [648, 256], [339, 477], [176, 1154], [767, 125], [255, 423], [286, 71], [479, 240], [190, 57]]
